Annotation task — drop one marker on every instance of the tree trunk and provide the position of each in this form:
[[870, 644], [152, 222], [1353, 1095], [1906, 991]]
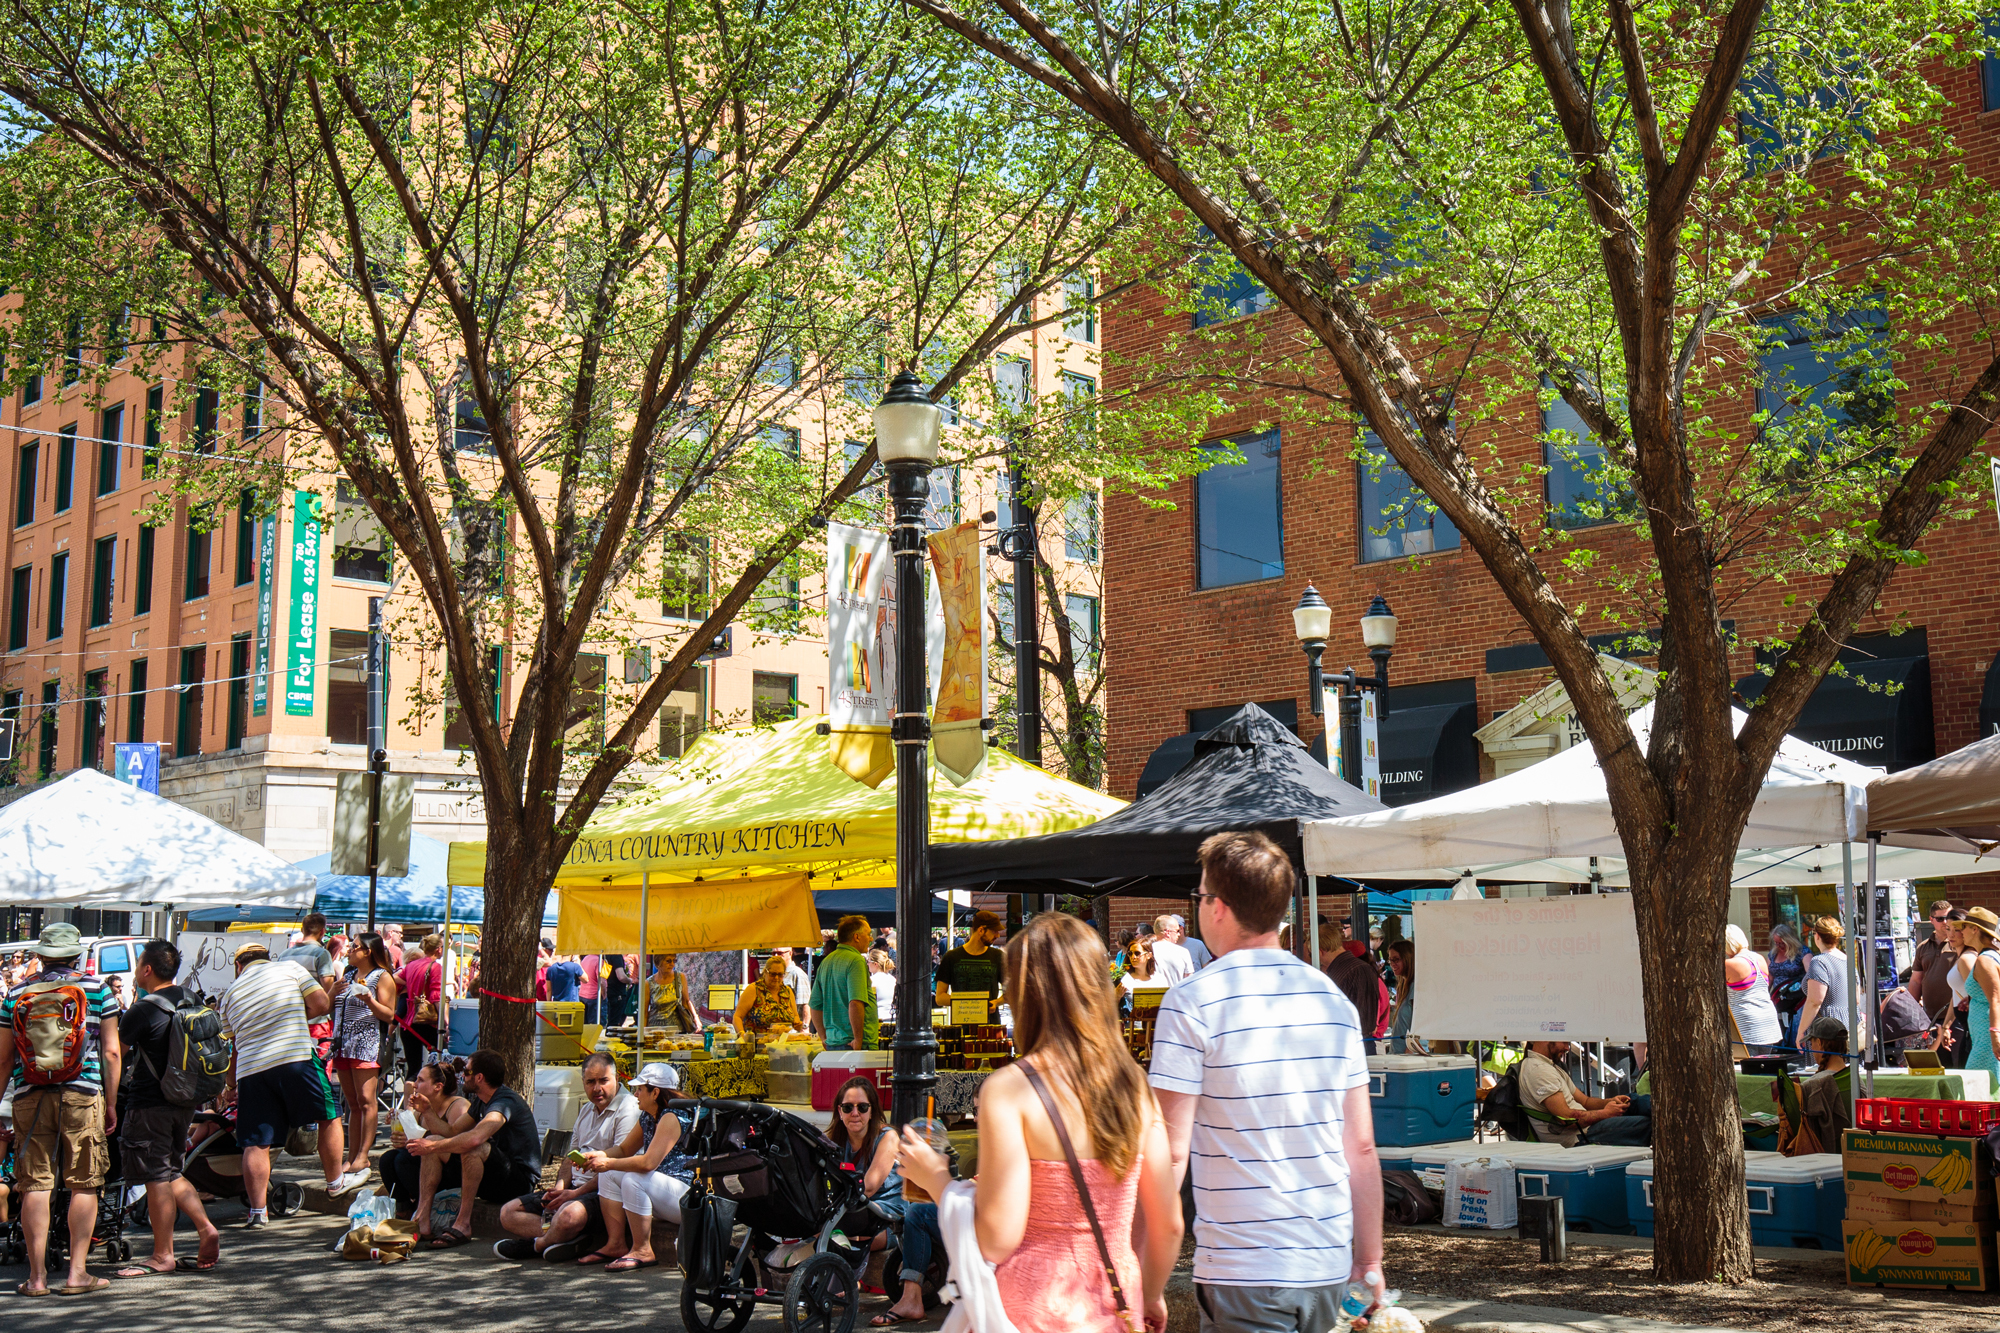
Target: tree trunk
[[1681, 902], [517, 888]]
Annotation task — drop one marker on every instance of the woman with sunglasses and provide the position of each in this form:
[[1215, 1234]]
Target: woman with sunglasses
[[860, 1131]]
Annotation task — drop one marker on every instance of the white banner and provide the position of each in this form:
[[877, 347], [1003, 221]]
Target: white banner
[[1371, 744], [1529, 969], [860, 627]]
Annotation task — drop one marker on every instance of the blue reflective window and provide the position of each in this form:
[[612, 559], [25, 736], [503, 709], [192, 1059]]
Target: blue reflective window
[[1239, 515], [1395, 518], [1578, 492], [1225, 288], [1818, 378], [1989, 63]]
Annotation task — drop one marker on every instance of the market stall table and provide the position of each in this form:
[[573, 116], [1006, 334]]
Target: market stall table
[[958, 1093], [1753, 1091], [739, 1078]]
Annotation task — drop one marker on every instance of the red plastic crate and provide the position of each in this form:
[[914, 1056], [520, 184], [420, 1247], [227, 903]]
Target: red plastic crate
[[1910, 1115]]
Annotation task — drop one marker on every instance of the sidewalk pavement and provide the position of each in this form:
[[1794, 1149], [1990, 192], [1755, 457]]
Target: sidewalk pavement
[[1507, 1317]]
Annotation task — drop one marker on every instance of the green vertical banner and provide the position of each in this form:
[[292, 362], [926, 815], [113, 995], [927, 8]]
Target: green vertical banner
[[267, 560], [304, 649]]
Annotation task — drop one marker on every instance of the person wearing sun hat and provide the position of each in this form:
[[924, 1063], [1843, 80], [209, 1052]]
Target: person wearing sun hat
[[1980, 964], [640, 1179]]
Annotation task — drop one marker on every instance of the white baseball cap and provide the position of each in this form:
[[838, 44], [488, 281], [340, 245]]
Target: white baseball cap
[[659, 1075]]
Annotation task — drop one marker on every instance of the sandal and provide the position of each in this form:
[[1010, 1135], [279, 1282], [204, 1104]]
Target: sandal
[[451, 1239], [596, 1257], [186, 1264], [90, 1288], [145, 1270], [22, 1290], [889, 1319], [630, 1264]]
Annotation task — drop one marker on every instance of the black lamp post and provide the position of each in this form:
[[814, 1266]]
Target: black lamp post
[[1312, 619], [906, 440]]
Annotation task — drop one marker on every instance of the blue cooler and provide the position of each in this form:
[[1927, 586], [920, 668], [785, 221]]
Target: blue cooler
[[1590, 1180], [1395, 1159], [1795, 1202], [1421, 1098], [464, 1027]]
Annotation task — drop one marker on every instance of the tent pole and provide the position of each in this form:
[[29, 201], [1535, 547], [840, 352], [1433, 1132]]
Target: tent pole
[[1853, 977], [444, 982], [645, 981], [1312, 918], [1872, 1053]]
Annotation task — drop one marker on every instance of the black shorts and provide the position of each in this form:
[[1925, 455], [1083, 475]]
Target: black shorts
[[593, 1234], [271, 1103], [154, 1139], [506, 1179]]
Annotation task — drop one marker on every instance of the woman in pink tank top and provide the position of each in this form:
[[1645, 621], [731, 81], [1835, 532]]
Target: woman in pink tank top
[[1032, 1223]]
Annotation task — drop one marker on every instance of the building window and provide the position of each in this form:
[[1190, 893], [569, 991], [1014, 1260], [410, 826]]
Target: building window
[[941, 505], [470, 434], [31, 390], [1080, 527], [155, 408], [360, 546], [1989, 63], [27, 477], [1084, 629], [773, 698], [585, 732], [142, 573], [51, 706], [347, 686], [489, 130], [110, 433], [187, 727], [685, 713], [864, 377], [1239, 515], [117, 334], [102, 588], [199, 541], [95, 718], [239, 691], [1013, 386], [1224, 289], [780, 368], [19, 610], [1080, 397], [684, 577], [778, 595], [207, 406], [1015, 275], [66, 467], [73, 353], [246, 538], [58, 592], [1821, 381], [458, 731], [10, 709], [135, 707], [781, 439], [1080, 307], [1780, 127], [1580, 494], [1396, 520], [253, 409]]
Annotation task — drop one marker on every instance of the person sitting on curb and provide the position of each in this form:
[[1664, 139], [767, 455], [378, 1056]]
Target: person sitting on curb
[[564, 1222], [413, 1181], [498, 1147], [642, 1178], [1561, 1113]]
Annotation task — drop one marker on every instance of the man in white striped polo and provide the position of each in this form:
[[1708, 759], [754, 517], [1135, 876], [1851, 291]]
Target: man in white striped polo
[[1260, 1072]]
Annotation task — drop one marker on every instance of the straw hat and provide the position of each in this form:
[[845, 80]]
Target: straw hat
[[1983, 919]]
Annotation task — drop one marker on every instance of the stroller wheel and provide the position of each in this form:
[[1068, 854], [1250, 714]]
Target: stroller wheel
[[822, 1297], [117, 1251], [709, 1312], [291, 1197]]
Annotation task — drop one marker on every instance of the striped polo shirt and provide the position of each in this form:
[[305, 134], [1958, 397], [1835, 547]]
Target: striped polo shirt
[[265, 1012], [1271, 1047]]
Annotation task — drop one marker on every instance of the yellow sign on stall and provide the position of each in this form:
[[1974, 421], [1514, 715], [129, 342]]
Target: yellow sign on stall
[[761, 913]]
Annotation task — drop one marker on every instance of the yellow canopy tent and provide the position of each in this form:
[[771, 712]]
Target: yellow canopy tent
[[760, 913], [766, 800]]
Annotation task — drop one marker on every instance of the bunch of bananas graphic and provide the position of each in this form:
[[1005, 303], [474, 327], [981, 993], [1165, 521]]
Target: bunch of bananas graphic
[[1952, 1174], [1865, 1249]]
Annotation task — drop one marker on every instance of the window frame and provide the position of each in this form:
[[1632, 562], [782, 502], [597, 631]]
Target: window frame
[[1276, 453], [58, 591], [27, 480], [1364, 532], [110, 447], [103, 582]]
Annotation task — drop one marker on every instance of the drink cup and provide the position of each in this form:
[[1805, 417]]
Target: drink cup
[[932, 1132], [408, 1120]]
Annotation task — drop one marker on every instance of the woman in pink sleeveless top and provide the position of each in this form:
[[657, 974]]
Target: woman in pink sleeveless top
[[1031, 1222]]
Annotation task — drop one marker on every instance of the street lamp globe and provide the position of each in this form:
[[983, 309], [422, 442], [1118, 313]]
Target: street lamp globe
[[1312, 618], [907, 423], [1378, 625]]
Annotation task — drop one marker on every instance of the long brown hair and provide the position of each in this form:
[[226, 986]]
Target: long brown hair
[[877, 1122], [1066, 1019], [1140, 949], [1407, 951]]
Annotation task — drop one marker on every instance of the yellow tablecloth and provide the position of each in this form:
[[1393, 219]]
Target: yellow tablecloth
[[742, 1077]]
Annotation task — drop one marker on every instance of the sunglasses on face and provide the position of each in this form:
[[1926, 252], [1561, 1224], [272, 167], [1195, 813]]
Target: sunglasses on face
[[855, 1108]]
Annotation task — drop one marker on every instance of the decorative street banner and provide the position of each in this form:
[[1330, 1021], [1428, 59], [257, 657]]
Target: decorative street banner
[[267, 561], [860, 651], [137, 762], [1371, 743], [1530, 969], [959, 562], [767, 912], [301, 661]]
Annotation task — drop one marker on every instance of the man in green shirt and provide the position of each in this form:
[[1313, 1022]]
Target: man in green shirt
[[843, 1004]]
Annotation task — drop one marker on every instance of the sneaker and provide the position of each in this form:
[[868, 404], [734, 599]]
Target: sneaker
[[564, 1251], [348, 1183], [256, 1221], [514, 1249]]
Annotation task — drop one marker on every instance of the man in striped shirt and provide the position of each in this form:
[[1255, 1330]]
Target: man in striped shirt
[[1259, 1070]]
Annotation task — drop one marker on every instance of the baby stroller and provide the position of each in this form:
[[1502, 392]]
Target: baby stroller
[[108, 1231], [215, 1166], [771, 1173]]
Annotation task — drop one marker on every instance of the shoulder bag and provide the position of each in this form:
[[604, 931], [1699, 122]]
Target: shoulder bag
[[1083, 1197]]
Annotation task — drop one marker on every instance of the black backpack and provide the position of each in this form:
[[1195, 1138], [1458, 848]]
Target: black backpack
[[1406, 1202], [1502, 1107], [198, 1052]]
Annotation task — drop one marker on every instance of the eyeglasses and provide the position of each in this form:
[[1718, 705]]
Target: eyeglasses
[[1940, 919], [855, 1108]]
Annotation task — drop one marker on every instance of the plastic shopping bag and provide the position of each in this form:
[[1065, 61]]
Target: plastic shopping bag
[[1479, 1193]]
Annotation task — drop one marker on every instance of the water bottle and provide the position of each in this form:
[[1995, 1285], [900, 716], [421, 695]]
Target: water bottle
[[362, 1211], [1355, 1298]]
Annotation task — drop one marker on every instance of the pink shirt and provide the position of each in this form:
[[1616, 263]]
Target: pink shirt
[[592, 968]]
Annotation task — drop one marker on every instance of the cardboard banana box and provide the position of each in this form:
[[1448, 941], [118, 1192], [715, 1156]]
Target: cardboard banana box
[[1932, 1255], [1881, 1208], [1915, 1167]]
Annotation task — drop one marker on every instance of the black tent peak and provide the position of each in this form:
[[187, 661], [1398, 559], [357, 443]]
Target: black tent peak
[[1246, 727]]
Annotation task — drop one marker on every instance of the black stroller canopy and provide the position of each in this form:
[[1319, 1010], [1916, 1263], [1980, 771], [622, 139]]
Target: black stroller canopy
[[1251, 774]]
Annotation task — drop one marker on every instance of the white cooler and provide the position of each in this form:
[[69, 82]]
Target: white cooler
[[558, 1097]]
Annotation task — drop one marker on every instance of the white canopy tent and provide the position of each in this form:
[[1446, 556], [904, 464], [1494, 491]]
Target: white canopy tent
[[92, 841], [1551, 823]]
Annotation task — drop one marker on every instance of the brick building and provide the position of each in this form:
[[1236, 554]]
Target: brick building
[[1204, 591]]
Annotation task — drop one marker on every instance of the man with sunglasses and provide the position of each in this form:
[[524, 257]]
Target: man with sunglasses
[[1930, 980]]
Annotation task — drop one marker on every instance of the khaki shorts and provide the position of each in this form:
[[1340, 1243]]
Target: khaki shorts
[[59, 1138]]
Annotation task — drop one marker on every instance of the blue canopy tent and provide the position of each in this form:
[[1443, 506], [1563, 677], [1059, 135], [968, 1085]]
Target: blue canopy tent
[[416, 897]]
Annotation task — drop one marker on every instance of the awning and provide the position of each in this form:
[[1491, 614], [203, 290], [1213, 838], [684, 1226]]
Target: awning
[[1428, 751], [761, 913], [1878, 715]]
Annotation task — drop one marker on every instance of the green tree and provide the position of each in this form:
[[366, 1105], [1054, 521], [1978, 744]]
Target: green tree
[[1454, 204], [535, 281]]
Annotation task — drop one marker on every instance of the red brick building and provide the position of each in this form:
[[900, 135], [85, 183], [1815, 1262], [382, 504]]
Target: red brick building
[[1200, 595]]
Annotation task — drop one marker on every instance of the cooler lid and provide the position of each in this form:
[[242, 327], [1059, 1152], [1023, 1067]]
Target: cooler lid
[[1416, 1064], [1644, 1167], [1776, 1170], [1436, 1154], [852, 1059], [1589, 1156]]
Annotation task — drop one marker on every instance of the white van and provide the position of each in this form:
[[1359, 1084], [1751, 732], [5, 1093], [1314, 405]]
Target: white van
[[103, 956]]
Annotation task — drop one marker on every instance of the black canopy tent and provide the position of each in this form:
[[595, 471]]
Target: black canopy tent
[[878, 905], [1251, 774]]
